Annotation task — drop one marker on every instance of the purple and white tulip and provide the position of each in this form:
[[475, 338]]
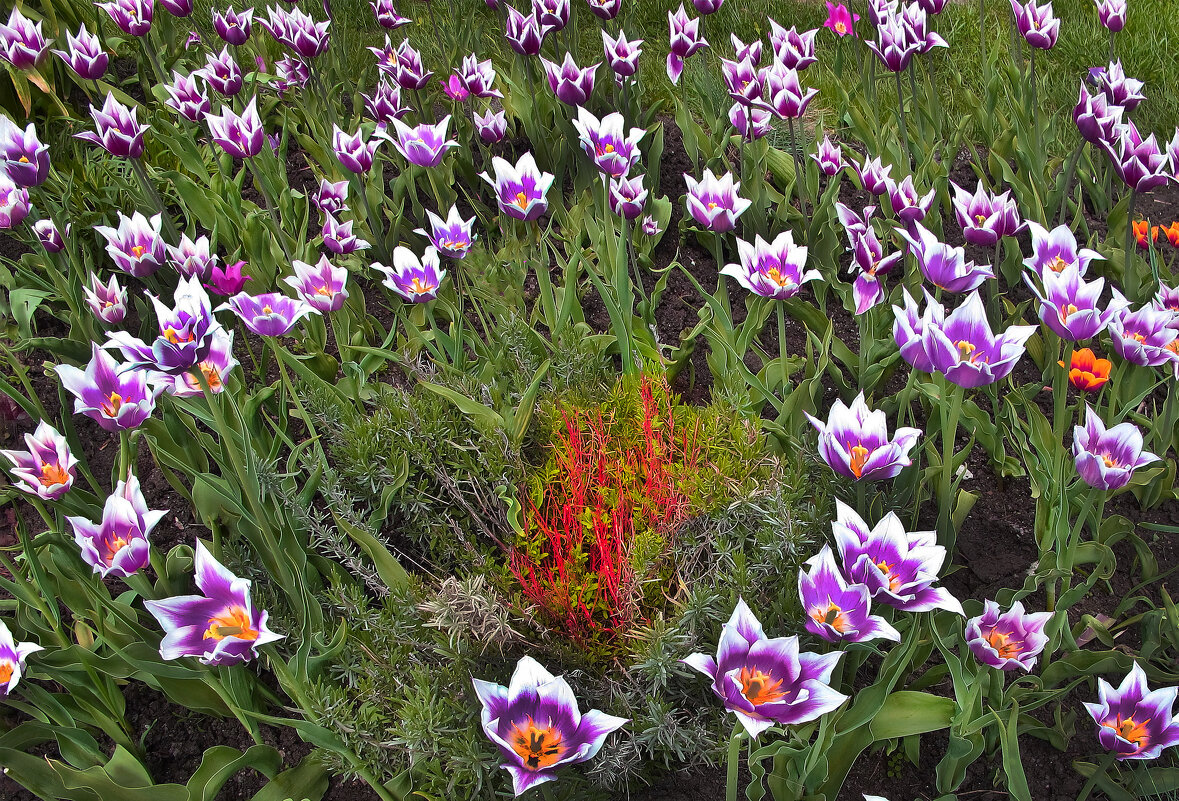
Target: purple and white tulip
[[966, 352], [116, 130], [604, 9], [1111, 14], [1107, 459], [524, 33], [771, 269], [135, 246], [492, 125], [628, 196], [12, 659], [233, 27], [220, 626], [298, 31], [829, 158], [1133, 721], [117, 546], [1140, 163], [854, 442], [321, 285], [84, 55], [520, 189], [1009, 640], [47, 467], [49, 236], [605, 141], [107, 301], [338, 236], [24, 156], [570, 83], [239, 136], [1097, 119], [908, 329], [1068, 304], [452, 237], [838, 611], [714, 203], [782, 94], [355, 151], [895, 45], [685, 40], [222, 73], [114, 397], [416, 280], [132, 16], [478, 77], [1144, 336], [908, 204], [387, 16], [1056, 250], [765, 680], [986, 218], [553, 15], [944, 266], [424, 144], [384, 104], [1120, 89], [621, 55], [191, 257], [216, 366], [185, 332], [14, 202], [537, 726], [271, 314], [751, 122], [187, 98], [794, 50], [874, 176], [1037, 24], [22, 44]]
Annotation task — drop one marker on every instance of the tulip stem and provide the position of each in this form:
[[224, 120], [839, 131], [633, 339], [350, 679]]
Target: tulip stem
[[904, 127], [1070, 173], [799, 177], [1035, 107], [734, 763], [782, 340], [1129, 274], [951, 409]]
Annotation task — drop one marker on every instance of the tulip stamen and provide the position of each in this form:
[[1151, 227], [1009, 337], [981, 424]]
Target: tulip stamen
[[421, 286], [859, 457], [539, 747], [5, 672], [232, 622], [1003, 644], [760, 687], [52, 474], [110, 406], [1129, 730], [138, 251]]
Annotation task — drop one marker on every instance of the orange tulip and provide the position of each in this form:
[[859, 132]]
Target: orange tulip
[[1172, 233], [1140, 227], [1087, 372]]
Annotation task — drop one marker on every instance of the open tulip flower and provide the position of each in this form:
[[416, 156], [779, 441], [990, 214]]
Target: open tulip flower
[[84, 55], [908, 204], [783, 94], [909, 329], [1133, 721], [416, 280], [628, 196], [132, 16], [232, 27], [898, 567], [1068, 304], [1120, 89], [321, 285], [478, 77], [553, 15], [12, 659], [330, 198], [492, 126], [741, 78], [453, 237], [537, 726], [1086, 372], [1056, 250], [835, 610], [765, 680], [1144, 336], [714, 203], [271, 314], [46, 468], [187, 98], [944, 266], [841, 20], [135, 246], [854, 442], [916, 21], [14, 202], [298, 31], [221, 626], [1111, 14], [874, 176], [966, 352], [356, 151], [621, 55], [223, 74], [829, 158], [216, 366], [21, 42], [49, 236], [116, 129], [1140, 163], [424, 144], [605, 141], [605, 9], [1106, 459], [894, 45], [986, 218], [118, 545], [751, 122], [1036, 23], [570, 83], [114, 397], [185, 332], [771, 269], [520, 189], [1009, 640], [24, 157], [387, 16], [1096, 118]]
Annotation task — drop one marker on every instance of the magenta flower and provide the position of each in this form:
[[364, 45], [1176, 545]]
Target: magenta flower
[[185, 332], [571, 84], [322, 284], [338, 237], [944, 266], [771, 269], [271, 314], [1056, 250], [387, 16], [216, 366], [187, 98], [50, 238], [1143, 337], [116, 130], [854, 442], [355, 151], [829, 158], [536, 724], [84, 55], [1010, 640], [12, 659], [524, 33], [21, 42], [605, 141], [835, 610], [840, 19], [520, 190], [714, 203], [1037, 24], [782, 93], [628, 196], [117, 546], [239, 136], [223, 73], [132, 16], [1068, 304], [621, 55], [14, 202], [985, 218], [966, 352], [908, 204], [492, 126], [1132, 721], [452, 237], [424, 144], [220, 626], [46, 468], [298, 31], [764, 681], [226, 280], [794, 50], [416, 280], [233, 27], [898, 567], [136, 245], [114, 397], [685, 41]]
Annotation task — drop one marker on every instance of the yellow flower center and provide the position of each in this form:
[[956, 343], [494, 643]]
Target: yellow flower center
[[52, 474], [233, 622], [1110, 461], [1057, 264], [113, 546], [539, 747], [894, 581], [832, 615], [23, 159], [138, 251], [1065, 311], [421, 286], [778, 277], [326, 291], [1129, 729], [521, 200], [712, 206], [980, 218], [859, 457], [267, 310], [110, 406], [966, 349], [176, 337], [760, 687], [840, 28]]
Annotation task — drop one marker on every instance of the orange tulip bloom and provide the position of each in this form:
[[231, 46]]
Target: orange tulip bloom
[[1087, 372], [1172, 233], [1140, 233]]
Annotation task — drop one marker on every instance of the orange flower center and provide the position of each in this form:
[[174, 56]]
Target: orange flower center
[[894, 581], [1003, 644], [110, 407], [1129, 729], [1057, 264], [521, 200], [52, 474], [833, 616], [760, 687], [113, 546], [840, 28], [138, 251], [1065, 311], [267, 310], [6, 668], [1110, 461], [967, 350], [859, 457], [421, 286], [176, 337], [712, 206], [326, 291], [451, 244], [539, 747], [233, 622], [602, 151], [778, 277]]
